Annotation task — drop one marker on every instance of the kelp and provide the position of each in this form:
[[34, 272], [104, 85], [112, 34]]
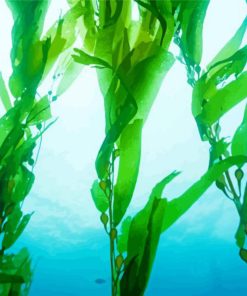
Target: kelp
[[120, 49], [156, 217], [28, 115], [131, 59], [216, 91]]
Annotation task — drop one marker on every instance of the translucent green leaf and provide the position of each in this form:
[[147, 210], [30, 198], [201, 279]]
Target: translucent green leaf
[[63, 34], [14, 229], [232, 45], [86, 59], [10, 278], [11, 141], [145, 228], [130, 154], [122, 241], [4, 96], [70, 71], [191, 17], [178, 206], [240, 235], [216, 92], [23, 182], [243, 254], [40, 112], [224, 100], [239, 141], [99, 197], [28, 54]]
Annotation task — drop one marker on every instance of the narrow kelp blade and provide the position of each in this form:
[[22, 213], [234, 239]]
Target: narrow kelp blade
[[4, 96], [63, 34], [239, 141], [231, 46], [191, 15], [217, 93], [145, 227], [178, 206], [130, 154]]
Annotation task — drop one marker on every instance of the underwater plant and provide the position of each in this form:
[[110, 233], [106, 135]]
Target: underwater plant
[[131, 56], [216, 91], [25, 117], [128, 43]]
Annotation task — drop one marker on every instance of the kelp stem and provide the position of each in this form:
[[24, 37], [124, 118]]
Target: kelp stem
[[112, 229]]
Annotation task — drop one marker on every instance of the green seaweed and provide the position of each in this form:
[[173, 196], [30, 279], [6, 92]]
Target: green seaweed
[[131, 58], [120, 49], [22, 126], [215, 92]]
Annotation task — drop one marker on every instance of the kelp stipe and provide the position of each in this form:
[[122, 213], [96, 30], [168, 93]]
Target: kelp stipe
[[216, 91], [27, 117]]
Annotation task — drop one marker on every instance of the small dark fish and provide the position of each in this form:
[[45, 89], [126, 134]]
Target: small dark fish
[[100, 281]]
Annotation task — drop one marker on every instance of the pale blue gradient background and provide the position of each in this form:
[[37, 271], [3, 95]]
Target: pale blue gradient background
[[197, 256]]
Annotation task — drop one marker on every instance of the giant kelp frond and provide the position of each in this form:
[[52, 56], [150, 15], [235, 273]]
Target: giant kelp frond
[[27, 117], [217, 91], [124, 48], [156, 217]]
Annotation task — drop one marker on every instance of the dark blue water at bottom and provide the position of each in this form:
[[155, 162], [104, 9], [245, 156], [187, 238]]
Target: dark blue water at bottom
[[197, 265]]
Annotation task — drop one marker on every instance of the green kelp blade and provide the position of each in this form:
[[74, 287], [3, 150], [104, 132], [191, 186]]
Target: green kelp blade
[[40, 112], [28, 54], [23, 182], [191, 17], [243, 254], [141, 219], [145, 228], [63, 34], [144, 90], [10, 237], [239, 141], [69, 70], [145, 87], [130, 154], [224, 100], [84, 58], [217, 92], [128, 111], [11, 141], [122, 241], [4, 96], [10, 278], [153, 8], [231, 46], [99, 197], [240, 235], [178, 206], [165, 9]]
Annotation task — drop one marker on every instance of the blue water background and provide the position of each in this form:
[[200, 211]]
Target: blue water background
[[198, 265]]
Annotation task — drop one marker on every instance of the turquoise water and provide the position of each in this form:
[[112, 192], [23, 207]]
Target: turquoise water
[[199, 264]]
